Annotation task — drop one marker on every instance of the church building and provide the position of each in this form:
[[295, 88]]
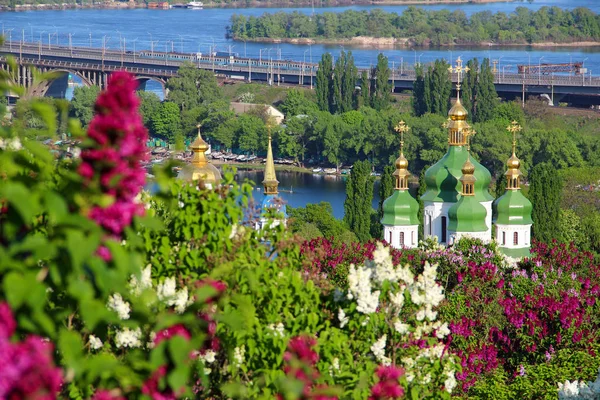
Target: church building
[[457, 202]]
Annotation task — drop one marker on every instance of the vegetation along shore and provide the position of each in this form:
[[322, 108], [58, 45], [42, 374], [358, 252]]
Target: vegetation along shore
[[550, 26]]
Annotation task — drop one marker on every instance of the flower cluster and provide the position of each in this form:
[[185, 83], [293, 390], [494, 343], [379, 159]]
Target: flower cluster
[[28, 370], [300, 360], [112, 159], [579, 390], [387, 386]]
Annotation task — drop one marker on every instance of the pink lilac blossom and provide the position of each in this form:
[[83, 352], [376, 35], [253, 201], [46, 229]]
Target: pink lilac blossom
[[168, 333], [387, 386], [106, 395], [152, 386], [28, 370], [112, 161]]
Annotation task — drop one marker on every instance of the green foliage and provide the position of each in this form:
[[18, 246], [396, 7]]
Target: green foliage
[[317, 220], [296, 103], [166, 122], [468, 86], [324, 83], [427, 27], [418, 98], [82, 104], [485, 97], [193, 87], [432, 89], [149, 106], [359, 195], [386, 188], [380, 84], [545, 194]]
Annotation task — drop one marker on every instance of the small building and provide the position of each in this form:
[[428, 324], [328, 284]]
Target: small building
[[272, 112]]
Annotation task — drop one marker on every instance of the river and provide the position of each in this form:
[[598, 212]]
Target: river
[[307, 188]]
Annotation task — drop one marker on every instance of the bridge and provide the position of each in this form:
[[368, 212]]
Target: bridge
[[94, 65]]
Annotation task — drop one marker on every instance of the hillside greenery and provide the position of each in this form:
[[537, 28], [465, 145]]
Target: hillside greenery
[[426, 27]]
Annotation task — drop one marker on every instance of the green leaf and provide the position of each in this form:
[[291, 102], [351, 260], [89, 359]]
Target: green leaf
[[71, 348], [179, 349], [16, 289], [21, 199]]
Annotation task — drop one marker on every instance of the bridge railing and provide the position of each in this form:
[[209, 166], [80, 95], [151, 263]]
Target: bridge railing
[[107, 59]]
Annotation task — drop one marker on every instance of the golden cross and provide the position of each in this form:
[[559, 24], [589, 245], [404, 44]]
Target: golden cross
[[401, 128], [459, 69], [468, 132], [514, 128]]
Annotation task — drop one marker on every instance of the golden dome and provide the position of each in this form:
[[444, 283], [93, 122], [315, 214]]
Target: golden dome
[[200, 168], [458, 112], [401, 162], [513, 162], [468, 168]]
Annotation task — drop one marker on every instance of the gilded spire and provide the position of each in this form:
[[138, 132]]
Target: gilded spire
[[457, 116], [199, 147], [270, 182], [513, 174], [401, 172]]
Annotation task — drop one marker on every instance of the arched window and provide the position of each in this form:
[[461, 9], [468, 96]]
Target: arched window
[[412, 237], [516, 238], [390, 239], [504, 238], [401, 238], [429, 223], [444, 224]]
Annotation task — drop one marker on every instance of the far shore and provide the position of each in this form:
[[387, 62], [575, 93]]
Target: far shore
[[389, 43], [251, 4]]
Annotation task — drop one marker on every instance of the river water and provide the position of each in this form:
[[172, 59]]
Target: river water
[[306, 188], [197, 30]]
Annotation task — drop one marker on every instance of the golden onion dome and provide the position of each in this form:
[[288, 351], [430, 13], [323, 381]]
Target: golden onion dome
[[458, 112], [468, 168], [401, 162], [513, 162], [200, 168]]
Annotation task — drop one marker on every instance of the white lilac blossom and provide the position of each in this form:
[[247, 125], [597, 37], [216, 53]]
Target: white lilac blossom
[[238, 356], [145, 281], [208, 357], [359, 287], [128, 338], [94, 342], [378, 350], [397, 299], [401, 328], [181, 300], [117, 304], [335, 366], [450, 382], [343, 318], [13, 144], [277, 330], [152, 337], [166, 291], [580, 390]]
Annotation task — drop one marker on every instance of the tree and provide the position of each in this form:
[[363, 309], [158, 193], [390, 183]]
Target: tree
[[381, 87], [220, 123], [324, 83], [149, 105], [293, 140], [193, 87], [250, 132], [386, 189], [296, 103], [345, 76], [440, 88], [359, 195], [545, 195], [468, 86], [320, 217], [82, 104], [166, 123], [418, 95], [365, 90], [486, 98]]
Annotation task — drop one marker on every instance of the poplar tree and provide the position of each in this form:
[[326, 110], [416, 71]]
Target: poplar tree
[[365, 92], [440, 88], [545, 194], [381, 87], [418, 97], [338, 84], [486, 99], [350, 100], [359, 196], [386, 189], [324, 83], [468, 93]]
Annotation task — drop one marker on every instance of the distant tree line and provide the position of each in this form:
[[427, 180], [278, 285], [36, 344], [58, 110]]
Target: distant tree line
[[426, 27]]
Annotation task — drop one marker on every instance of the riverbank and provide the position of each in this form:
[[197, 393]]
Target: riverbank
[[238, 4], [391, 43]]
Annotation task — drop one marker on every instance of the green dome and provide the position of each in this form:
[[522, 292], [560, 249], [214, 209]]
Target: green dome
[[467, 215], [512, 208], [400, 209], [442, 179]]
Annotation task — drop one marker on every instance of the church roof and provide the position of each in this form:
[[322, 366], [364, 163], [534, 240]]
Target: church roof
[[400, 209], [512, 208], [467, 215]]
